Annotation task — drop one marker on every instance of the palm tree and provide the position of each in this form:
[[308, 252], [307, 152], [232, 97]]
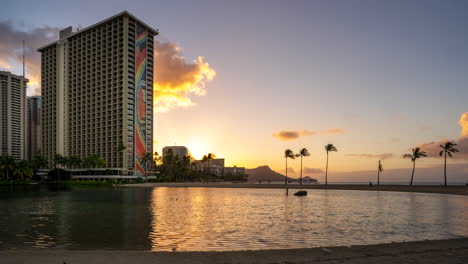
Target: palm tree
[[207, 158], [447, 149], [379, 170], [288, 154], [328, 148], [22, 169], [58, 161], [7, 164], [39, 162], [302, 153], [416, 154], [145, 158], [120, 149]]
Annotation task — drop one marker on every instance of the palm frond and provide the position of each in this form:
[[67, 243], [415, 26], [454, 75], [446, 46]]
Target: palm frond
[[408, 156]]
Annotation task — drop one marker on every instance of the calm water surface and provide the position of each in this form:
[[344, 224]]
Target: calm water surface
[[188, 219]]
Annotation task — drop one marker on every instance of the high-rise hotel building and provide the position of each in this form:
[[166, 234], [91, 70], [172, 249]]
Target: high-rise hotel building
[[12, 115], [97, 92], [33, 126]]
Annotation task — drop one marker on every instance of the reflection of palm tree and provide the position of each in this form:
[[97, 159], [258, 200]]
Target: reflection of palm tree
[[328, 148], [302, 153], [379, 170], [288, 154], [447, 149], [416, 154]]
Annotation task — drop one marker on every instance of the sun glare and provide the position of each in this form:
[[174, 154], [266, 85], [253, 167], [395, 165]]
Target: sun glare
[[197, 149]]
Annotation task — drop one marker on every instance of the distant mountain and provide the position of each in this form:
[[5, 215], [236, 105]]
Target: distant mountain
[[264, 173]]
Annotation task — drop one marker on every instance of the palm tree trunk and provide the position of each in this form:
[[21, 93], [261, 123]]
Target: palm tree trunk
[[286, 178], [378, 176], [445, 169], [326, 172], [412, 175], [300, 180]]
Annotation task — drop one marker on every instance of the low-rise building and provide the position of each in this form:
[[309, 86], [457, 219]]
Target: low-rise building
[[234, 170], [180, 151]]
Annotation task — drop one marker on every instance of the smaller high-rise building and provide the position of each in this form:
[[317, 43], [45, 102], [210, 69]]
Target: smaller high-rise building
[[180, 151], [12, 115], [33, 126]]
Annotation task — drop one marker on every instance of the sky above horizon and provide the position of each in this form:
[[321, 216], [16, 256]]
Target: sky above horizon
[[375, 78]]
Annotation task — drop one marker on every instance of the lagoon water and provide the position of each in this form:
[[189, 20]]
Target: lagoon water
[[203, 219]]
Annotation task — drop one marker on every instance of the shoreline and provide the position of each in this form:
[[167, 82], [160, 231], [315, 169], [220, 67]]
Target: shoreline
[[438, 189], [429, 251]]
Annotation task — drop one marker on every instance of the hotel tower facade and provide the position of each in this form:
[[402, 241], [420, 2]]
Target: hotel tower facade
[[12, 115], [97, 93]]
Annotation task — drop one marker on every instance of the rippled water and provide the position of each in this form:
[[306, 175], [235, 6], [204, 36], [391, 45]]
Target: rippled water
[[187, 219]]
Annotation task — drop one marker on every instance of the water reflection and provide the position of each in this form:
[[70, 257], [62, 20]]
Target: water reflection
[[189, 219], [186, 219]]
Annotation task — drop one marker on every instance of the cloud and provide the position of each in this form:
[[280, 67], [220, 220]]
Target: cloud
[[433, 148], [292, 134], [295, 134], [465, 170], [373, 156], [312, 170], [176, 80], [4, 64], [333, 131], [290, 171], [394, 140], [464, 124], [11, 43]]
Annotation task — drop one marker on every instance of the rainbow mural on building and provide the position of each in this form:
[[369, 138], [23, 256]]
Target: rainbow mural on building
[[140, 100]]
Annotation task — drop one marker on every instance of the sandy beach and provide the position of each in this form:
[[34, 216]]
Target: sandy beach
[[455, 190], [439, 251]]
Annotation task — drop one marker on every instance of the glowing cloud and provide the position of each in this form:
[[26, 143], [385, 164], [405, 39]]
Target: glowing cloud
[[373, 156], [433, 148], [176, 80], [464, 124], [333, 131], [4, 64], [295, 134], [292, 134]]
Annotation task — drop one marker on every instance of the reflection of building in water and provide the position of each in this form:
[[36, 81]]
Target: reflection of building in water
[[115, 219]]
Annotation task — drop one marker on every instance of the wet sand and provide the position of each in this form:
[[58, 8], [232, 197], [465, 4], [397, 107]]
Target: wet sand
[[438, 251], [456, 190]]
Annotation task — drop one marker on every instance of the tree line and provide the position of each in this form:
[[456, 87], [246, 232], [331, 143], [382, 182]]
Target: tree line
[[447, 150]]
